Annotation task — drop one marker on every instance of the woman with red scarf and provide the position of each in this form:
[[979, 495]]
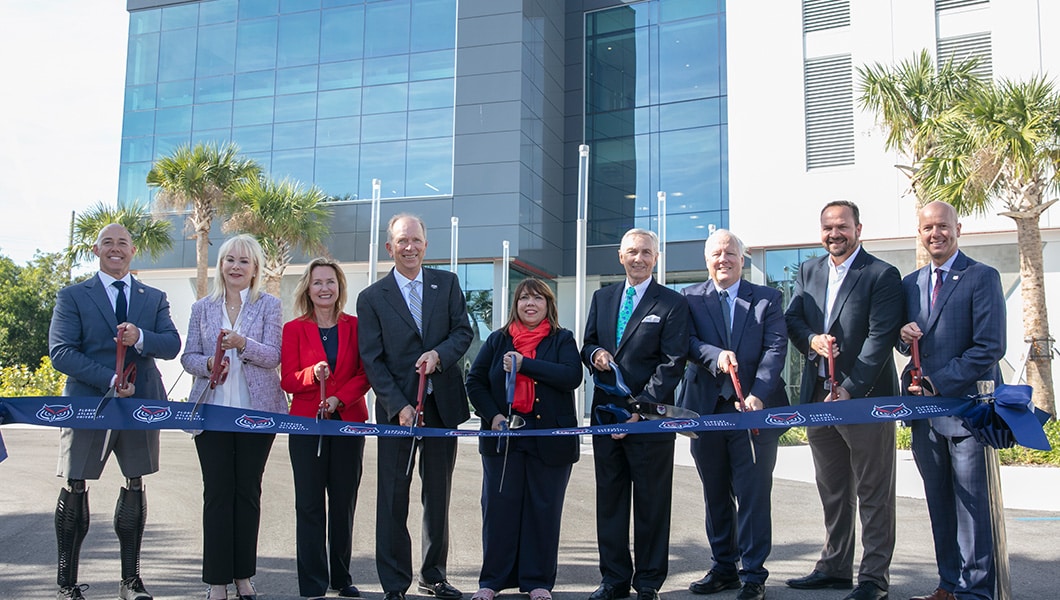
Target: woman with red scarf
[[525, 478]]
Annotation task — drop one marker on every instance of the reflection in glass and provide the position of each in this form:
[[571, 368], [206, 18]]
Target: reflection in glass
[[341, 34], [294, 135], [217, 50], [255, 43], [212, 116], [299, 40]]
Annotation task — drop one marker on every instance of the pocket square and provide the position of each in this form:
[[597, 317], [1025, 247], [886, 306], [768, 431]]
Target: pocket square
[[651, 319]]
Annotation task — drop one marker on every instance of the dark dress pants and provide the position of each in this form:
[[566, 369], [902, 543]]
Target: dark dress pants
[[232, 467], [322, 524], [737, 492], [521, 521], [637, 469]]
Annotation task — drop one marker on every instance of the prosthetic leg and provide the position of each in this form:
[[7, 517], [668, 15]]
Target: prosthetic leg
[[71, 525], [130, 515]]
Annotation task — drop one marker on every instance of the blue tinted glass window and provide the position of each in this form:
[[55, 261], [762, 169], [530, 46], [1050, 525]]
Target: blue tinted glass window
[[693, 168], [217, 11], [293, 135], [143, 59], [217, 50], [336, 170], [384, 98], [331, 3], [176, 56], [431, 65], [298, 107], [296, 164], [340, 75], [290, 6], [688, 61], [173, 120], [212, 116], [144, 21], [258, 8], [175, 93], [673, 10], [383, 128], [339, 103], [211, 136], [255, 44], [431, 94], [256, 111], [166, 144], [299, 39], [695, 113], [138, 123], [180, 17], [257, 138], [137, 149], [433, 25], [214, 89], [255, 85], [296, 80], [386, 28], [336, 132], [430, 123], [140, 97], [389, 69], [385, 161], [430, 168], [131, 182], [342, 34]]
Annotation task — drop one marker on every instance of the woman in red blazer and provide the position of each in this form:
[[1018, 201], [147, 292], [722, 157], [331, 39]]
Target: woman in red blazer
[[319, 348]]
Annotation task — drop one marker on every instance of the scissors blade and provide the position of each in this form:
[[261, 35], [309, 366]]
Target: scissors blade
[[105, 400]]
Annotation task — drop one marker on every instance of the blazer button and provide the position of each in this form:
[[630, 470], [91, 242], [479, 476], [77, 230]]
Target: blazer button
[[537, 399], [538, 417]]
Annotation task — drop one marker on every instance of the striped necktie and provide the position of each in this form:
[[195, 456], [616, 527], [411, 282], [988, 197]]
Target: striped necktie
[[416, 304]]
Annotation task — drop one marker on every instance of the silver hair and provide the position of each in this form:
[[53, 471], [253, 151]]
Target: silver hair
[[636, 231], [718, 233]]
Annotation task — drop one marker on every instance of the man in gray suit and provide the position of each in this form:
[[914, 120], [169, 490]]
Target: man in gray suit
[[848, 303], [413, 317], [82, 344], [956, 309]]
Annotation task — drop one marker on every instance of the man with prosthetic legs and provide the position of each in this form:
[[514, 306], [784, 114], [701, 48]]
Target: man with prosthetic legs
[[89, 322]]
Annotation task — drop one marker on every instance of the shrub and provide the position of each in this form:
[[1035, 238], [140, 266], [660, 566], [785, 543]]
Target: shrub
[[19, 380]]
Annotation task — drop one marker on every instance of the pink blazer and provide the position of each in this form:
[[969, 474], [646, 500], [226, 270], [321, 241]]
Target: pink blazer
[[302, 349], [261, 324]]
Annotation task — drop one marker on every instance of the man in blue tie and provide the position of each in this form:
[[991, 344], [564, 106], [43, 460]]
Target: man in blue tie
[[642, 327], [955, 309], [736, 326]]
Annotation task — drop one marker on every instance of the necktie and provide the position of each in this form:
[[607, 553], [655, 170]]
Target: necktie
[[727, 314], [121, 305], [624, 313], [940, 275], [416, 305]]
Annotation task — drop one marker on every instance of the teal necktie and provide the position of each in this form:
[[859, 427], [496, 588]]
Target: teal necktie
[[624, 313]]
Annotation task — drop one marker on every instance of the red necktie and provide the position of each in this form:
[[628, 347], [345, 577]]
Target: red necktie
[[940, 274]]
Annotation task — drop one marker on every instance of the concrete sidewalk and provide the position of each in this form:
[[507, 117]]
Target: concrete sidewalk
[[173, 546]]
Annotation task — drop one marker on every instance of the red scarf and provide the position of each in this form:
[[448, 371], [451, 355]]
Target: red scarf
[[525, 342]]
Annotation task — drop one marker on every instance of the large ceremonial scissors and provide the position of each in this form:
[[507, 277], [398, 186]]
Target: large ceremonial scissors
[[124, 376], [218, 374], [743, 408], [417, 420]]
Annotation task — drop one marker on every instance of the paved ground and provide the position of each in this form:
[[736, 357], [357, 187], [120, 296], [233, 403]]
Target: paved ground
[[172, 548]]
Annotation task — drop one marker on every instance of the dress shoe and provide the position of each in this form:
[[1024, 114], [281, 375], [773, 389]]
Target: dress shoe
[[133, 589], [72, 592], [752, 591], [818, 580], [394, 595], [350, 591], [607, 591], [442, 590], [938, 594], [867, 590], [647, 594], [714, 582]]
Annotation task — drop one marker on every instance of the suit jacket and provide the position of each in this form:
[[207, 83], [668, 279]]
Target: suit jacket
[[390, 344], [556, 370], [302, 350], [759, 339], [964, 335], [81, 338], [651, 353], [260, 323], [866, 318]]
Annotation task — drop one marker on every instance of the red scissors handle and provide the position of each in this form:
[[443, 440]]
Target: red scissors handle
[[421, 394], [739, 392], [831, 373], [124, 375], [915, 374], [218, 374]]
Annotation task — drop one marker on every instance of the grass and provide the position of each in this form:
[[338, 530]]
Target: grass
[[1017, 455]]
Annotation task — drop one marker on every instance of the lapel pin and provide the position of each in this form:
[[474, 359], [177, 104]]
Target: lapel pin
[[434, 286], [140, 290]]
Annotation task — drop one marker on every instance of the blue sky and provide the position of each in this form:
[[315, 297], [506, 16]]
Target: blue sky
[[60, 132]]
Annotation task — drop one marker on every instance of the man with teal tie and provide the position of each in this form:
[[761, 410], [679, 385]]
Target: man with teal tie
[[642, 327]]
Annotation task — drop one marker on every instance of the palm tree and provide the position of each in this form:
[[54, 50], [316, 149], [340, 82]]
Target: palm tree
[[908, 99], [1002, 145], [283, 216], [202, 176], [149, 234]]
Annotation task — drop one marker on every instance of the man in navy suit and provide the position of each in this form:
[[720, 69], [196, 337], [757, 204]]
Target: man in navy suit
[[848, 303], [735, 325], [956, 309], [413, 317], [83, 344], [642, 327]]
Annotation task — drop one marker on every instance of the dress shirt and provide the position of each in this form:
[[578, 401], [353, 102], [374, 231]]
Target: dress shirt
[[234, 391], [836, 275], [733, 291], [112, 295]]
